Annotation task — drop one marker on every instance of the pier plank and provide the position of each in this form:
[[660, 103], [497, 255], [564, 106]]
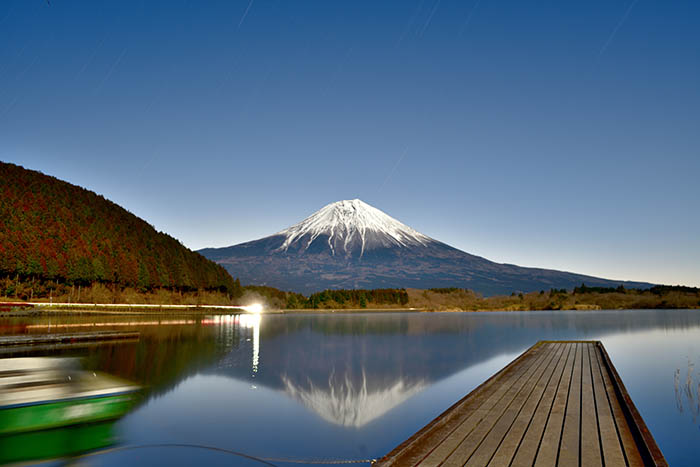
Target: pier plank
[[453, 441], [571, 436], [549, 444], [36, 339], [469, 409], [498, 422], [523, 439], [610, 441], [590, 439], [629, 445], [559, 403], [516, 417]]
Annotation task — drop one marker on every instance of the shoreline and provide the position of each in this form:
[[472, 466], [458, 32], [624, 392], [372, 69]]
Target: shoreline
[[26, 309]]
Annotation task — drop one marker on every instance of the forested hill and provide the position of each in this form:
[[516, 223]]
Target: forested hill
[[51, 229]]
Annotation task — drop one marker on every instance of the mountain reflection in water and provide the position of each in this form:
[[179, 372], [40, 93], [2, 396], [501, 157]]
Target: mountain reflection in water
[[338, 367], [343, 403]]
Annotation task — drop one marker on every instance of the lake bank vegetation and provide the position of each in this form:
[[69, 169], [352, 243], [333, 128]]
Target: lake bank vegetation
[[442, 299], [19, 289], [355, 298], [56, 291], [456, 299], [580, 298]]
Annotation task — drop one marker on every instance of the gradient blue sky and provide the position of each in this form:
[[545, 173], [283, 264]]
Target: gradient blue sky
[[551, 133]]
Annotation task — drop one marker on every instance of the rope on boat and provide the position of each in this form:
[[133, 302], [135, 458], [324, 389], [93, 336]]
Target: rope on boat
[[262, 460]]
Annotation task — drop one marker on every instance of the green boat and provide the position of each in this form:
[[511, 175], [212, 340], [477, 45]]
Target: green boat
[[47, 393], [56, 443]]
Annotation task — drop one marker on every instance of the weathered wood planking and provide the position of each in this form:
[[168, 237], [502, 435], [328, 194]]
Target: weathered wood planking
[[38, 339], [559, 403]]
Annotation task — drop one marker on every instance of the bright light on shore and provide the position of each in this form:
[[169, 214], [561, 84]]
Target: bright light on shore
[[254, 308]]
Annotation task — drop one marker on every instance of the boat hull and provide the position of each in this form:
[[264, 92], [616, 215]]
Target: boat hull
[[56, 443], [54, 414]]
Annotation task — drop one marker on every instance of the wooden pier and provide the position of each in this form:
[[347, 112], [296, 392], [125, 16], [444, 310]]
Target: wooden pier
[[559, 403], [46, 339]]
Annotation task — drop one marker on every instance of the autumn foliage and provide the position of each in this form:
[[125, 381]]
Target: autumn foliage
[[53, 230]]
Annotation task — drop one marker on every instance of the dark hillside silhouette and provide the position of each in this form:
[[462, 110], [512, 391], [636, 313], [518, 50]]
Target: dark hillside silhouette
[[53, 230]]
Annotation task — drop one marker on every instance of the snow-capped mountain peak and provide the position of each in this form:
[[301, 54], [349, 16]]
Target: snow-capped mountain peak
[[351, 225], [351, 245]]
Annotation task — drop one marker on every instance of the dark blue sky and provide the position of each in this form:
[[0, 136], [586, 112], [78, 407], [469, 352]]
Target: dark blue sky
[[550, 133]]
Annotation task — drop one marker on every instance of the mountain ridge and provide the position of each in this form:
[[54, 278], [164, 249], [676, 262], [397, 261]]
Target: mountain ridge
[[350, 244], [51, 229]]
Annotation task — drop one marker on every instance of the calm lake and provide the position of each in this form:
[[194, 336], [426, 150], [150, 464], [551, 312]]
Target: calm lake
[[353, 386]]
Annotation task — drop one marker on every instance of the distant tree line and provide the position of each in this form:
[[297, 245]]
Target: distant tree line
[[356, 298], [580, 298], [446, 290], [664, 289], [656, 290], [583, 289]]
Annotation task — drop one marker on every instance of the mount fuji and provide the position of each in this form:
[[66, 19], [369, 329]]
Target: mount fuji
[[350, 244]]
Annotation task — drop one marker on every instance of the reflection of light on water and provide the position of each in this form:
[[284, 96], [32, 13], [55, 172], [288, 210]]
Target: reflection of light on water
[[253, 321], [242, 322]]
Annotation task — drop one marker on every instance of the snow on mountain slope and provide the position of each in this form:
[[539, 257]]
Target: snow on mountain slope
[[348, 224]]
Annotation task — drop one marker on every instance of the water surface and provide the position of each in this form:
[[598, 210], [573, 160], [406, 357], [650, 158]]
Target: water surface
[[353, 386]]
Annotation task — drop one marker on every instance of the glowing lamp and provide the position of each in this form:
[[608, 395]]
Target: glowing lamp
[[254, 308]]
